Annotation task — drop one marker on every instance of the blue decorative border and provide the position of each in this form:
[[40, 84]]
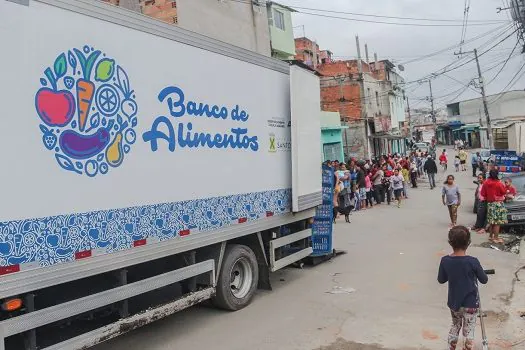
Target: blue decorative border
[[55, 239]]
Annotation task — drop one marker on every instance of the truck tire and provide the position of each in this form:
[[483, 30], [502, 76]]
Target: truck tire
[[238, 278]]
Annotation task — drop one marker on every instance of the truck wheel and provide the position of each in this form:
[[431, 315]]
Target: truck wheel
[[238, 278]]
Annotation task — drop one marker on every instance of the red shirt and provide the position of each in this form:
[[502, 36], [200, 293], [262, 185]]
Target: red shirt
[[442, 158], [492, 190], [511, 190]]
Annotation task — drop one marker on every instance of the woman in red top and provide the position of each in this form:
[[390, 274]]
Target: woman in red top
[[443, 160], [494, 192]]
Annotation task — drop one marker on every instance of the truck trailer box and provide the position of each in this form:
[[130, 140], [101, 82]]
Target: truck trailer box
[[126, 140]]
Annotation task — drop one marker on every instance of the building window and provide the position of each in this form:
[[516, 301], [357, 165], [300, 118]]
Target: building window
[[278, 19], [377, 99], [369, 96], [501, 138]]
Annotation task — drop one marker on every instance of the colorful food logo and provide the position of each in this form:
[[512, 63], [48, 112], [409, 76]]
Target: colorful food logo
[[88, 116]]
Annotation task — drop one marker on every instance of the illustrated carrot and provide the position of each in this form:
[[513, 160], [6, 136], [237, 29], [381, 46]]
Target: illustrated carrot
[[85, 92], [85, 88]]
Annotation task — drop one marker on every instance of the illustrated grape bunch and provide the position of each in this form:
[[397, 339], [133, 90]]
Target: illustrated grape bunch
[[88, 110]]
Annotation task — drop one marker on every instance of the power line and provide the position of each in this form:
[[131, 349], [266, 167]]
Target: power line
[[446, 69], [460, 82], [504, 64], [452, 47], [393, 17], [484, 23], [511, 83], [465, 24], [393, 23]]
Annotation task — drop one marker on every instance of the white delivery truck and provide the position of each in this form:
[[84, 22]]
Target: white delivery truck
[[145, 169]]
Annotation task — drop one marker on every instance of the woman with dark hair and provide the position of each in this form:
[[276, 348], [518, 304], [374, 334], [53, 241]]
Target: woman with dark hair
[[494, 192], [451, 198], [481, 210]]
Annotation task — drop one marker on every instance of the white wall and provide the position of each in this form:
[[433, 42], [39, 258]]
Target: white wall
[[234, 22], [512, 104], [517, 137], [397, 107]]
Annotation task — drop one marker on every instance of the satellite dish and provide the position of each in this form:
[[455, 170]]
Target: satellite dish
[[401, 67]]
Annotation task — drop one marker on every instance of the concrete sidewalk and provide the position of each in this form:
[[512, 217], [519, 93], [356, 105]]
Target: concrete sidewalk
[[392, 297]]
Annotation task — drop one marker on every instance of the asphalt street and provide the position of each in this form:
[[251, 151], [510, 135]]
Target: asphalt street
[[382, 293]]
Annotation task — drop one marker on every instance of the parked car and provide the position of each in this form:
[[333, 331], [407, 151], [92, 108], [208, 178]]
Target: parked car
[[422, 146], [516, 206], [485, 155]]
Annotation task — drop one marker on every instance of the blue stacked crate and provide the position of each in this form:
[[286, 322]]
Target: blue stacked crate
[[322, 226]]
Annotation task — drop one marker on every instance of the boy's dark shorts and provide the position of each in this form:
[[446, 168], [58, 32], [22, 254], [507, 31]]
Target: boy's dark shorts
[[397, 193]]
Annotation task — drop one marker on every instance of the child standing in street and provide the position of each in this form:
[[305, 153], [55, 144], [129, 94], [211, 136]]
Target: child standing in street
[[397, 185], [456, 163], [451, 198], [462, 273]]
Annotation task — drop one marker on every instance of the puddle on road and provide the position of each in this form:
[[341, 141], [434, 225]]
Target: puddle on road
[[341, 344]]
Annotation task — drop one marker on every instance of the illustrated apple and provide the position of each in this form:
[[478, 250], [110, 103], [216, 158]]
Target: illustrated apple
[[55, 108]]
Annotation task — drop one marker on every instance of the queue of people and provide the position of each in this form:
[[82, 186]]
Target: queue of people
[[363, 184]]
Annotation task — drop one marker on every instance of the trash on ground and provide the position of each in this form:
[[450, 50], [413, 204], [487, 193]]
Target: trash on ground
[[341, 290], [511, 243]]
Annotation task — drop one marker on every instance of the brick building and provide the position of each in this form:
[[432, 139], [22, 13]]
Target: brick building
[[374, 112], [307, 51]]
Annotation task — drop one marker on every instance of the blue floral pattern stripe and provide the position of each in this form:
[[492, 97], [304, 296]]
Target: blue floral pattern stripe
[[56, 239]]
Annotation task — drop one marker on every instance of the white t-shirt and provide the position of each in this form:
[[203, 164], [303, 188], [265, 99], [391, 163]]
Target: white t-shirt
[[397, 181]]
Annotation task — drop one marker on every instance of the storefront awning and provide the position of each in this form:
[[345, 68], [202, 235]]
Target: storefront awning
[[388, 137]]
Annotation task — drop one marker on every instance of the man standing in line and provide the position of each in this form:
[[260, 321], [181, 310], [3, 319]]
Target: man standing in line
[[361, 184], [431, 169], [474, 161], [377, 181]]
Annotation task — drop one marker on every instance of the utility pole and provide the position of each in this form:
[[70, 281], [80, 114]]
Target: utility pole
[[409, 116], [362, 99], [484, 97], [340, 79], [434, 121], [485, 104]]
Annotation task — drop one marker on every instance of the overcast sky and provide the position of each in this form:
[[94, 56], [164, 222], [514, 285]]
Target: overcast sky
[[402, 43]]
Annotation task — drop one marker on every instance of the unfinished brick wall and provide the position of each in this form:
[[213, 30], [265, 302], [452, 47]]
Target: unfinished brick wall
[[335, 68], [350, 107], [164, 10], [304, 48]]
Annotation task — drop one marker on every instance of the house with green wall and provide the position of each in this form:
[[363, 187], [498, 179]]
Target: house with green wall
[[332, 136], [281, 30]]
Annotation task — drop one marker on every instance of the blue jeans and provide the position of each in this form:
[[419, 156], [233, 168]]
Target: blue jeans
[[432, 179]]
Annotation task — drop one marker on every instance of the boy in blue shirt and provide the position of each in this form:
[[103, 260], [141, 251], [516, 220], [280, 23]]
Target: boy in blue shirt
[[462, 272]]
